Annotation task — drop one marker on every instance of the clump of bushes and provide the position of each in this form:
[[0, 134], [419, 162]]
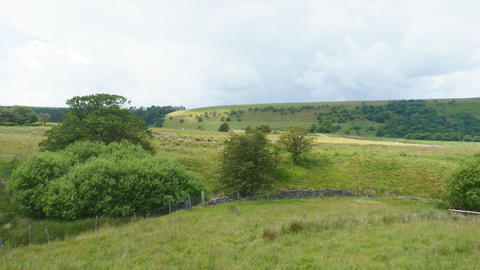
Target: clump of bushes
[[463, 184], [88, 178]]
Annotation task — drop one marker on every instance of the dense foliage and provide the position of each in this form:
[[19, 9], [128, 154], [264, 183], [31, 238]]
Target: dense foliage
[[89, 178], [155, 115], [18, 114], [98, 118], [248, 163], [463, 184], [296, 142]]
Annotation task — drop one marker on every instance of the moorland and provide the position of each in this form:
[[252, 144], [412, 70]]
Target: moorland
[[335, 233]]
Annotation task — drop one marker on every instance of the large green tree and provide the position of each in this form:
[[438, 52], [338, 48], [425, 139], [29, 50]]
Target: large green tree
[[296, 142], [248, 163], [98, 118], [23, 114]]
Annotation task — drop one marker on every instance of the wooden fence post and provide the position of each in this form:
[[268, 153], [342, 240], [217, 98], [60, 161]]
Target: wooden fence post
[[1, 243], [97, 223], [48, 237], [169, 207], [297, 195], [238, 197], [203, 198], [29, 234], [357, 192]]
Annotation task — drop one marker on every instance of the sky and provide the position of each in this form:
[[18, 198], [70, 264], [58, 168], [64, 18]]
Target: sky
[[208, 53]]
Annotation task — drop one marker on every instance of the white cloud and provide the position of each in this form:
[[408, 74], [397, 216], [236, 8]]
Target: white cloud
[[202, 54]]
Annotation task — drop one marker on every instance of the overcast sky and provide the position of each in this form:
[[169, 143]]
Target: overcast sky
[[206, 53]]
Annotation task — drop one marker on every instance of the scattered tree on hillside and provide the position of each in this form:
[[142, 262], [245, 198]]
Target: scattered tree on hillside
[[248, 163], [224, 127], [98, 118], [44, 118], [347, 131], [296, 142], [325, 127]]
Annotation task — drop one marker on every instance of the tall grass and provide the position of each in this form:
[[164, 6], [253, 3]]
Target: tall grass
[[334, 233]]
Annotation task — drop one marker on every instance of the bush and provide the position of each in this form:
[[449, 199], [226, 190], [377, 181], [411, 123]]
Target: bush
[[87, 179], [224, 127], [476, 139], [463, 184], [467, 138], [347, 131]]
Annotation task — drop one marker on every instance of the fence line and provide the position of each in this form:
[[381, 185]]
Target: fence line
[[40, 235]]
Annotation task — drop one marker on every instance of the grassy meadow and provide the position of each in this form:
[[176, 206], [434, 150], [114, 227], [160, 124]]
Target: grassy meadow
[[333, 233]]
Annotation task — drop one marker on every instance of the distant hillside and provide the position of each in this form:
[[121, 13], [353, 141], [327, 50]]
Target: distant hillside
[[362, 117]]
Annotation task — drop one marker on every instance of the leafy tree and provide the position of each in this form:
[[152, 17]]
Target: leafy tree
[[476, 139], [200, 119], [44, 118], [228, 119], [347, 131], [446, 137], [224, 127], [467, 138], [88, 178], [23, 114], [248, 129], [325, 127], [5, 115], [181, 120], [437, 137], [312, 129], [463, 184], [296, 142], [247, 163], [98, 118], [265, 129], [455, 136]]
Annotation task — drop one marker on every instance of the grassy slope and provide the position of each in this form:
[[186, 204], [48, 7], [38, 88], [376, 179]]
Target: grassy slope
[[334, 233], [277, 121], [335, 162]]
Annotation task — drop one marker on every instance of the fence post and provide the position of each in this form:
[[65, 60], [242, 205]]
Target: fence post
[[297, 195], [96, 223], [29, 234], [169, 207], [410, 196], [203, 198], [1, 243], [238, 196], [134, 216], [48, 237], [357, 192], [4, 173]]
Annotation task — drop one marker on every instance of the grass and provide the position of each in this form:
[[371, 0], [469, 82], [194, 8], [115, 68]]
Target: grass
[[334, 233]]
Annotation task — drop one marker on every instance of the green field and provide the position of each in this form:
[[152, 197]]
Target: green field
[[334, 233], [338, 233]]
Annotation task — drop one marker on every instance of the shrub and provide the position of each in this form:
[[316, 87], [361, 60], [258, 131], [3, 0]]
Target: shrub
[[89, 178], [224, 127], [181, 121], [467, 138], [463, 184], [347, 132], [200, 128], [476, 139]]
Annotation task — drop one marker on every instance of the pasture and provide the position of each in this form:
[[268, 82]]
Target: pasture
[[335, 233]]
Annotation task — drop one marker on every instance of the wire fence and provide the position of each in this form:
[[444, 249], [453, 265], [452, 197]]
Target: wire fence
[[52, 230], [46, 231]]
